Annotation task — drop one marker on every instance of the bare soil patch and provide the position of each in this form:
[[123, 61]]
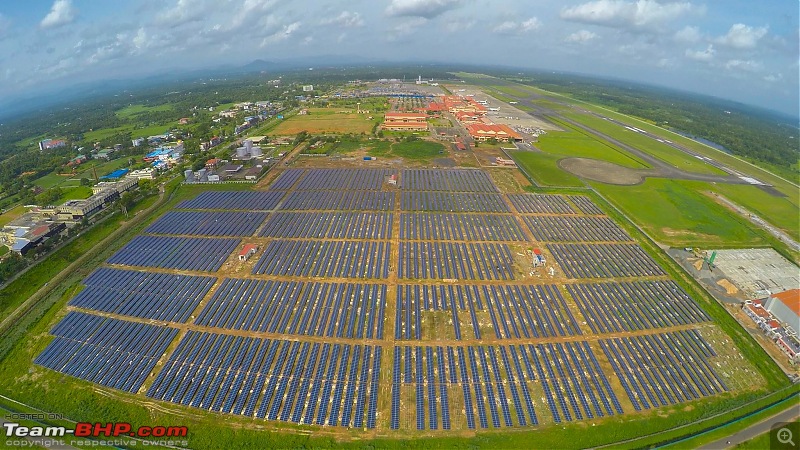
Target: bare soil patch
[[603, 171]]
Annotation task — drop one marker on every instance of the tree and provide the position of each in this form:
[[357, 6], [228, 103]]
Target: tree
[[126, 202], [86, 182]]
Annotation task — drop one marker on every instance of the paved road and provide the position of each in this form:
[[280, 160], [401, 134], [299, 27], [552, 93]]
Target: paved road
[[754, 430]]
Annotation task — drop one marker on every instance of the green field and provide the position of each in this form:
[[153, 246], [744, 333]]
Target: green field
[[576, 144], [12, 214], [415, 150], [544, 170], [673, 212], [781, 211], [325, 120], [674, 157], [130, 112], [74, 193]]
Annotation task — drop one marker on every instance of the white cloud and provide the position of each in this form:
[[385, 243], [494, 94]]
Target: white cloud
[[184, 11], [773, 77], [628, 14], [283, 34], [688, 35], [61, 13], [743, 65], [742, 36], [666, 63], [580, 36], [346, 19], [453, 26], [531, 24], [512, 27], [701, 55], [427, 9], [406, 28]]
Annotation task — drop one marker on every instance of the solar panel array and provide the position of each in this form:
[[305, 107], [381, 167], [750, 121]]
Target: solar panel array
[[452, 202], [540, 204], [332, 225], [239, 200], [604, 260], [526, 350], [451, 180], [296, 308], [158, 296], [290, 381], [111, 352], [641, 305], [182, 253], [459, 227], [663, 369], [575, 229], [325, 259], [344, 179], [459, 261], [494, 386], [208, 223]]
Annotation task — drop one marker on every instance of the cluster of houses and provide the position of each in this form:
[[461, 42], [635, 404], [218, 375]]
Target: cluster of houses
[[778, 316], [36, 226], [261, 110]]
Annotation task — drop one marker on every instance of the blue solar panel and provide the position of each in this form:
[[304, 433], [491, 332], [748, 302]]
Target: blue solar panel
[[175, 252], [208, 223], [110, 352], [157, 296]]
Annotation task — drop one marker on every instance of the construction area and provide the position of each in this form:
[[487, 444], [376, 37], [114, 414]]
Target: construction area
[[394, 301]]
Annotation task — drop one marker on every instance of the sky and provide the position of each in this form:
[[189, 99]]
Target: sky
[[741, 50]]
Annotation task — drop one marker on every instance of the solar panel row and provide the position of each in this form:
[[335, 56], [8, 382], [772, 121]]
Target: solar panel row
[[663, 369], [208, 223], [325, 259], [540, 204], [273, 379], [158, 296], [238, 200], [309, 309], [604, 260], [615, 307], [452, 180], [203, 254], [111, 352], [459, 227], [330, 225], [462, 261]]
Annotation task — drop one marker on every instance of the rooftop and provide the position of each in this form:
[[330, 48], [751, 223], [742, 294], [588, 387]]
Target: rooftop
[[791, 299]]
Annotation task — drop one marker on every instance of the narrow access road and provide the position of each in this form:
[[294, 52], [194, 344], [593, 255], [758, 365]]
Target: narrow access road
[[754, 430]]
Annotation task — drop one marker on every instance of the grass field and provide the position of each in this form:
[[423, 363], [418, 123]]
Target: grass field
[[781, 211], [74, 193], [543, 168], [729, 160], [641, 142], [325, 120], [12, 214], [415, 150], [131, 111], [85, 171], [577, 144], [673, 212]]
